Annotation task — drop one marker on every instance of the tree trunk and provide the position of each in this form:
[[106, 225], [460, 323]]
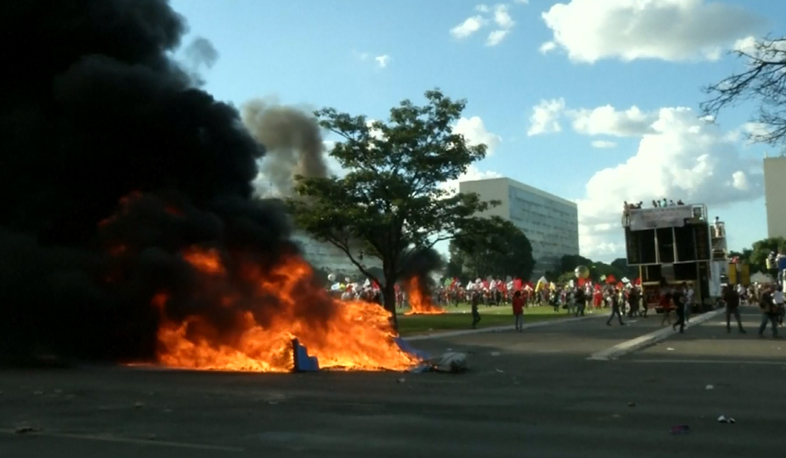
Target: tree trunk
[[389, 299]]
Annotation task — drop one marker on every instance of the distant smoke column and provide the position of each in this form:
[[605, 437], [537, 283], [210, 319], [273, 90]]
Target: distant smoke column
[[293, 142]]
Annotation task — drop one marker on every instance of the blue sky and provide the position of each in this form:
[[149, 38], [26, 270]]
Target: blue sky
[[570, 58]]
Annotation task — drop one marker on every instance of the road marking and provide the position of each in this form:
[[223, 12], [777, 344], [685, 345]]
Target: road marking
[[648, 339], [537, 324], [126, 440], [705, 361]]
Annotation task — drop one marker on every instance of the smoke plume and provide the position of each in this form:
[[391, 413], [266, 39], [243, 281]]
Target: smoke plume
[[293, 141], [420, 264], [112, 163]]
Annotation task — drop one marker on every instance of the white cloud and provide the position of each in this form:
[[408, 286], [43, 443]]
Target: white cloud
[[472, 173], [672, 30], [547, 47], [499, 15], [603, 144], [468, 27], [545, 117], [502, 17], [496, 37], [606, 120], [683, 157], [382, 61], [474, 131]]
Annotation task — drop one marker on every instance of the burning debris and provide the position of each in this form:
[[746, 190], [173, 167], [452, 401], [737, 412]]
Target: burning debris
[[418, 284], [133, 234], [420, 299]]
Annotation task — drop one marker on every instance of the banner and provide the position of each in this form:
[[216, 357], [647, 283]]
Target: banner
[[655, 218]]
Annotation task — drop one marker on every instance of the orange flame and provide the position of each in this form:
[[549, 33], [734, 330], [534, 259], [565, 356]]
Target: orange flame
[[342, 335], [420, 303]]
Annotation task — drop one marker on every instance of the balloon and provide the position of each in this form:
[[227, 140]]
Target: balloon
[[582, 272]]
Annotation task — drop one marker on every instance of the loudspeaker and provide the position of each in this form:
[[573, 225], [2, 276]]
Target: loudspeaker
[[686, 247], [640, 247], [650, 273], [701, 234], [665, 245]]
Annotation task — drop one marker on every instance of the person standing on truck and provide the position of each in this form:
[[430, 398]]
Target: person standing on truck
[[732, 299]]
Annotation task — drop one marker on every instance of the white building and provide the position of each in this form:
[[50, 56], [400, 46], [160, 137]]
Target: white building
[[551, 223], [326, 256], [775, 195]]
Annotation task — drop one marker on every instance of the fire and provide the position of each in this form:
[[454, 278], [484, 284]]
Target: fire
[[420, 303], [266, 311]]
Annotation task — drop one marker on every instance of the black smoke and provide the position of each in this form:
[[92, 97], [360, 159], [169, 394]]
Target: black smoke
[[421, 263], [93, 111]]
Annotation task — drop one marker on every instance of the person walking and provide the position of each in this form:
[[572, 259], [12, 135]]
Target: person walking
[[665, 304], [678, 298], [614, 303], [768, 312], [581, 301], [777, 298], [732, 299], [475, 314], [690, 293], [518, 310]]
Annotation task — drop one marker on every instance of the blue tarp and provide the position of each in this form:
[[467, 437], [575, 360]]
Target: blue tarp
[[303, 362]]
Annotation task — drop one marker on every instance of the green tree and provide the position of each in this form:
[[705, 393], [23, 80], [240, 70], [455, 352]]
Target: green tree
[[762, 249], [744, 256], [391, 200], [493, 246], [622, 265]]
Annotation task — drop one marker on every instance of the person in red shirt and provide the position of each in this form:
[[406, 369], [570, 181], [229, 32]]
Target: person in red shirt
[[518, 310]]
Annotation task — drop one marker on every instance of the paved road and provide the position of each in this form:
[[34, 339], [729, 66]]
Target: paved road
[[531, 394]]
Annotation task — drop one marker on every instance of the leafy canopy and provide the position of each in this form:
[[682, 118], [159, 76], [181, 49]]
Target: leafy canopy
[[492, 246], [392, 199]]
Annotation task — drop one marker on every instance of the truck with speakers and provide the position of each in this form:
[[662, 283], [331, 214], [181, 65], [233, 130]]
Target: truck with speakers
[[677, 244]]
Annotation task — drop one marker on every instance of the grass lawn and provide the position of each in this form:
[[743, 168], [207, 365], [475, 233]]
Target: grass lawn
[[461, 318]]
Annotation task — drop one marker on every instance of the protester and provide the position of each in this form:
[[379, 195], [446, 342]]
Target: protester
[[732, 299], [518, 310], [678, 298], [475, 313], [768, 313], [613, 299]]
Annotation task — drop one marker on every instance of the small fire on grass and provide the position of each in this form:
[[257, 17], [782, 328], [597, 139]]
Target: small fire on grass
[[342, 335], [419, 299]]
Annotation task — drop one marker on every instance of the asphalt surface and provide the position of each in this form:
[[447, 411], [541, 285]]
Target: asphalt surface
[[530, 394]]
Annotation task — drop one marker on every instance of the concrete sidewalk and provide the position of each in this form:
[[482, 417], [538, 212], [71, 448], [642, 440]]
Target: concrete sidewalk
[[650, 339]]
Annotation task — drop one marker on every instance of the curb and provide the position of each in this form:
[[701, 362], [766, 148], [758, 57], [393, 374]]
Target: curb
[[536, 324], [649, 339]]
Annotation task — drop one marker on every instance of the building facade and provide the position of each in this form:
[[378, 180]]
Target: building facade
[[551, 223], [775, 195], [329, 258]]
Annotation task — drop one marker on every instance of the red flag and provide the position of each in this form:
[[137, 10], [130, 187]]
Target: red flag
[[611, 280], [517, 284]]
